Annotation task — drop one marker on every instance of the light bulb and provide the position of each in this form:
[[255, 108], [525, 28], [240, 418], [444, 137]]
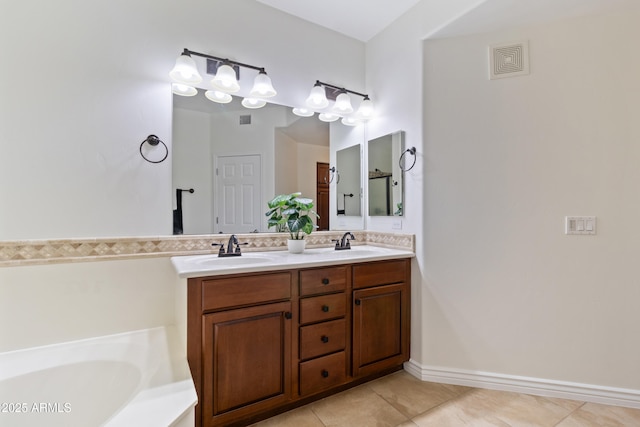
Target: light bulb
[[365, 111], [302, 112], [328, 117], [225, 79], [185, 70], [317, 98], [218, 96], [183, 90], [253, 103], [343, 104], [262, 87]]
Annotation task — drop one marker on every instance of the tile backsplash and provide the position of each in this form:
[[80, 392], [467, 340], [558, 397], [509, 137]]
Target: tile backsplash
[[33, 252]]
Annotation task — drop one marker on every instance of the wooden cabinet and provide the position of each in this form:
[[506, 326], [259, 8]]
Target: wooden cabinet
[[263, 343]]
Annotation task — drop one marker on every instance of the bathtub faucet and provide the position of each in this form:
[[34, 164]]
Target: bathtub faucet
[[233, 247]]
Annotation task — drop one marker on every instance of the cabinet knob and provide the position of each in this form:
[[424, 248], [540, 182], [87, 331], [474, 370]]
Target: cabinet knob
[[325, 281], [357, 301], [324, 373], [324, 339], [325, 308], [288, 315]]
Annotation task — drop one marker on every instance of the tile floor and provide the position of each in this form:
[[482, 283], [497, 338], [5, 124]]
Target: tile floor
[[400, 400]]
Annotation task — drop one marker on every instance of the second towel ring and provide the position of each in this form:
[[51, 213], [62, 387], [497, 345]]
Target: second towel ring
[[411, 151], [332, 173]]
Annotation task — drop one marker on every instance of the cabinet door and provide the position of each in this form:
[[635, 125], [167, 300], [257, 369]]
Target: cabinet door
[[380, 328], [247, 361]]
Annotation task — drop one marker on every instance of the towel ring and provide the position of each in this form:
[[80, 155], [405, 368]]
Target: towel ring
[[332, 173], [411, 151], [153, 140]]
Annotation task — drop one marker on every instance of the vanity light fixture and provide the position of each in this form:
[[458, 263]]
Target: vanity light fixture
[[322, 92], [227, 72]]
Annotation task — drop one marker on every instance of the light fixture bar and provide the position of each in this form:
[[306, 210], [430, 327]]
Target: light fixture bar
[[222, 60], [318, 82]]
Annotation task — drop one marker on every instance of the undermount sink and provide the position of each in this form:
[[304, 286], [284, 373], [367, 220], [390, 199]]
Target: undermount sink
[[243, 259]]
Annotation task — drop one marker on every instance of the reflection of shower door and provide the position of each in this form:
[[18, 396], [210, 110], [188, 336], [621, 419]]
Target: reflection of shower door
[[237, 195]]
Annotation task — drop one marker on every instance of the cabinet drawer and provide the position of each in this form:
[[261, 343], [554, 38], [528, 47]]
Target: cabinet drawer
[[245, 290], [322, 338], [379, 273], [322, 373], [324, 307], [323, 280]]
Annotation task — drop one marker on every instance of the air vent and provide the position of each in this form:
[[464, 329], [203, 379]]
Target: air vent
[[508, 60], [245, 119]]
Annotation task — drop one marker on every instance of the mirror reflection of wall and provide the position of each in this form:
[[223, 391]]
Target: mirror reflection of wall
[[386, 186], [257, 154], [348, 181]]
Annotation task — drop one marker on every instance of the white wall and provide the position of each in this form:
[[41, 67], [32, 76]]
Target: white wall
[[394, 82], [505, 290], [93, 83]]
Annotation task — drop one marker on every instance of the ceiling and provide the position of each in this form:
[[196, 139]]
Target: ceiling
[[363, 19], [359, 19]]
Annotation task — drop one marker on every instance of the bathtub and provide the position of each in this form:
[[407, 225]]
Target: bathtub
[[137, 378]]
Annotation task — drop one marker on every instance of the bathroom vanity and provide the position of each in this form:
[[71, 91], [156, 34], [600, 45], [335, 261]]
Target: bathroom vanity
[[268, 335]]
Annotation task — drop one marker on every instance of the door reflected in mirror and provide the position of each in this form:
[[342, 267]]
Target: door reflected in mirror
[[347, 177], [386, 183]]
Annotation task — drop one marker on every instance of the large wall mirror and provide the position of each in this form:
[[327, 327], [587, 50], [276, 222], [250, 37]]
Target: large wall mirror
[[348, 183], [237, 159], [386, 180]]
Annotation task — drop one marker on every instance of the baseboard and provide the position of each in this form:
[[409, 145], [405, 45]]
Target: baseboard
[[541, 387]]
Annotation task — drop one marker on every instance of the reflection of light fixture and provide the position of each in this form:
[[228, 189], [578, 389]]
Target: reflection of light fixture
[[323, 92], [227, 73], [303, 112], [183, 90], [328, 117], [350, 121], [218, 96], [253, 103]]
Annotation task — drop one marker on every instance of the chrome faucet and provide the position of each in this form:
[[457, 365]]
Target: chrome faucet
[[344, 242], [231, 250]]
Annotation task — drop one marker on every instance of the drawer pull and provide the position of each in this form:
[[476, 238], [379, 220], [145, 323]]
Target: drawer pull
[[324, 339], [324, 373], [325, 308], [325, 281], [288, 315], [357, 301]]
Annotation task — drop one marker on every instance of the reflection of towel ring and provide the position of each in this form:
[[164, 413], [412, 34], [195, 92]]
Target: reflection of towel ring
[[411, 151], [153, 140], [332, 173]]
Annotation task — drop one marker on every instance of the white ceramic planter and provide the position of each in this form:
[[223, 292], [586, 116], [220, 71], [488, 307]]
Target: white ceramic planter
[[296, 246]]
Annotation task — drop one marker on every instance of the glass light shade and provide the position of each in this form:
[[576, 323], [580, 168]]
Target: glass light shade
[[185, 70], [225, 79], [218, 96], [262, 87], [253, 103], [302, 112], [350, 121], [183, 90], [328, 117], [365, 111], [343, 104], [317, 98]]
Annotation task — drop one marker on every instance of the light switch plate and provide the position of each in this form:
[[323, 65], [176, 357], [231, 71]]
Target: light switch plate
[[580, 225]]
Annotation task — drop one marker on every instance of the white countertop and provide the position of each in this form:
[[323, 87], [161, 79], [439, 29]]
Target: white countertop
[[249, 262]]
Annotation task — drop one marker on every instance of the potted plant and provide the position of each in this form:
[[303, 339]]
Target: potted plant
[[292, 213]]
